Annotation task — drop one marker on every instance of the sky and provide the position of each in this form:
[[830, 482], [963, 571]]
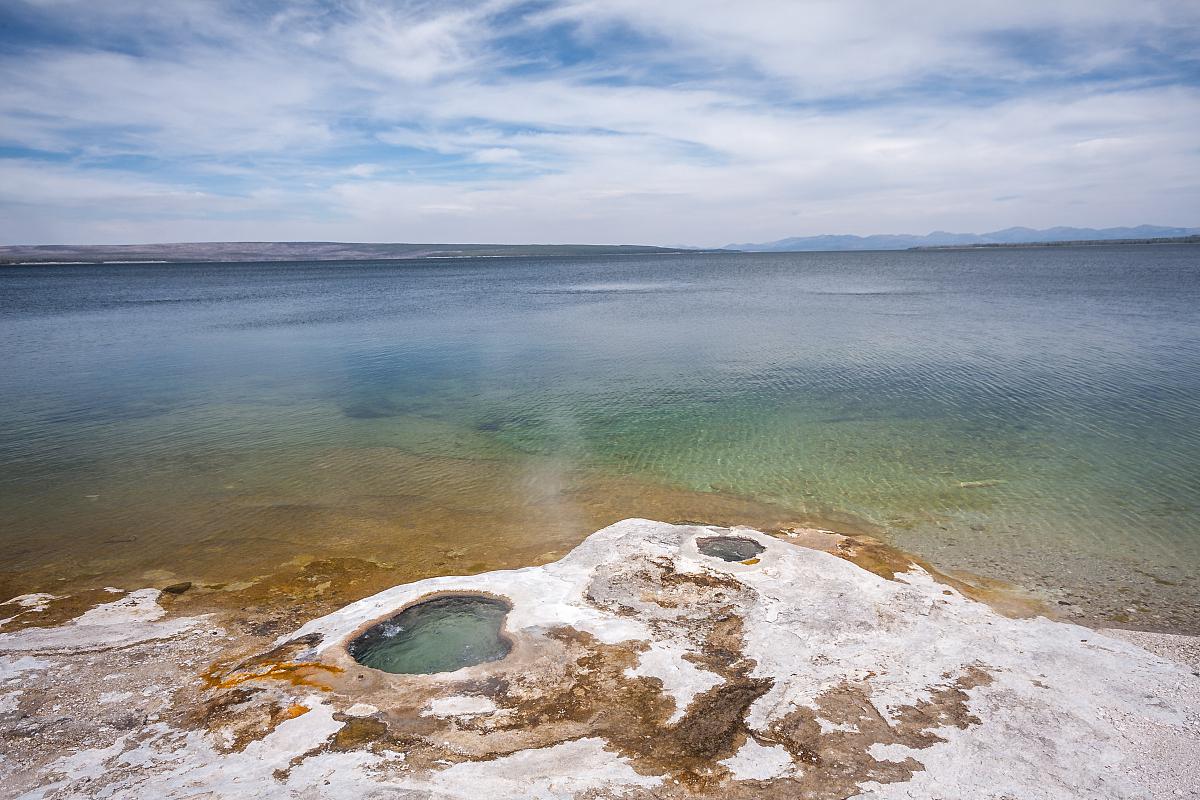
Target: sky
[[674, 122]]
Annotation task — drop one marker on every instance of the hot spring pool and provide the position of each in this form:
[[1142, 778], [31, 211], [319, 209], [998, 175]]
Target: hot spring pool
[[438, 635]]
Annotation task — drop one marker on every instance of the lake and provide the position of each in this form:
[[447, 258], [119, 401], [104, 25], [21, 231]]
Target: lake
[[1031, 415]]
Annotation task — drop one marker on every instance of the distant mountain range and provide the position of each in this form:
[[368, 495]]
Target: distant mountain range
[[301, 251], [183, 252], [1008, 236]]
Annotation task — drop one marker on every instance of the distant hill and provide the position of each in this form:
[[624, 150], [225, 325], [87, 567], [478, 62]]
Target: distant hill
[[301, 251], [1008, 236], [1065, 243]]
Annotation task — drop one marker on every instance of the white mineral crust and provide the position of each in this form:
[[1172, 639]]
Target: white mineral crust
[[1064, 712]]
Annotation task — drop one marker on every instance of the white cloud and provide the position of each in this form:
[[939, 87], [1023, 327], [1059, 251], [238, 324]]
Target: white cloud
[[496, 155], [420, 121]]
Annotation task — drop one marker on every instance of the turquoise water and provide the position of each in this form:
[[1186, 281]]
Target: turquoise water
[[439, 635], [1028, 414]]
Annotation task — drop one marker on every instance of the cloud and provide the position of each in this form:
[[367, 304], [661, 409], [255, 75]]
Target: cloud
[[496, 155], [580, 120]]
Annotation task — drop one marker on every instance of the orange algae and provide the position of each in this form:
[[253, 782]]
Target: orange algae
[[297, 673], [886, 561], [295, 710]]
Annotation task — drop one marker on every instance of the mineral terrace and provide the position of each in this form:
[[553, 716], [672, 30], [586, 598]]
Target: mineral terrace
[[639, 668]]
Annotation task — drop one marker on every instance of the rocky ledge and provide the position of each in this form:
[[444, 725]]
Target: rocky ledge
[[638, 666]]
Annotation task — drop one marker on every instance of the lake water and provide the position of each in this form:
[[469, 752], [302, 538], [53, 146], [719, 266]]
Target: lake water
[[1027, 414]]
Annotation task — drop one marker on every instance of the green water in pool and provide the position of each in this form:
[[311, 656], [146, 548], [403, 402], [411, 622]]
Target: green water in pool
[[438, 635]]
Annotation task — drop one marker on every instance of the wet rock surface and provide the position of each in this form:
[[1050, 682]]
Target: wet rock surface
[[639, 667]]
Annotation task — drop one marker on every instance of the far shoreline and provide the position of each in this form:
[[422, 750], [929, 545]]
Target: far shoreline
[[352, 252], [1065, 243]]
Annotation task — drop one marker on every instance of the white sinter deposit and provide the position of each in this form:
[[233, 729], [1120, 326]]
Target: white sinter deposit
[[643, 668]]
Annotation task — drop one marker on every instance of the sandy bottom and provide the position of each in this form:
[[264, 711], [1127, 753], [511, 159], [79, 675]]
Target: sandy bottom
[[231, 522]]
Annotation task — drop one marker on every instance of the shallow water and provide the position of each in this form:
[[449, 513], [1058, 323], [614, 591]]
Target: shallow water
[[1029, 414], [729, 548], [439, 635]]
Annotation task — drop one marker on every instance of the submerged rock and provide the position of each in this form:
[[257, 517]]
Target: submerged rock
[[641, 667], [987, 484]]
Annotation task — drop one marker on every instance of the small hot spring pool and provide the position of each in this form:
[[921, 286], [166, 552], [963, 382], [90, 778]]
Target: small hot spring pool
[[438, 635], [729, 548]]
